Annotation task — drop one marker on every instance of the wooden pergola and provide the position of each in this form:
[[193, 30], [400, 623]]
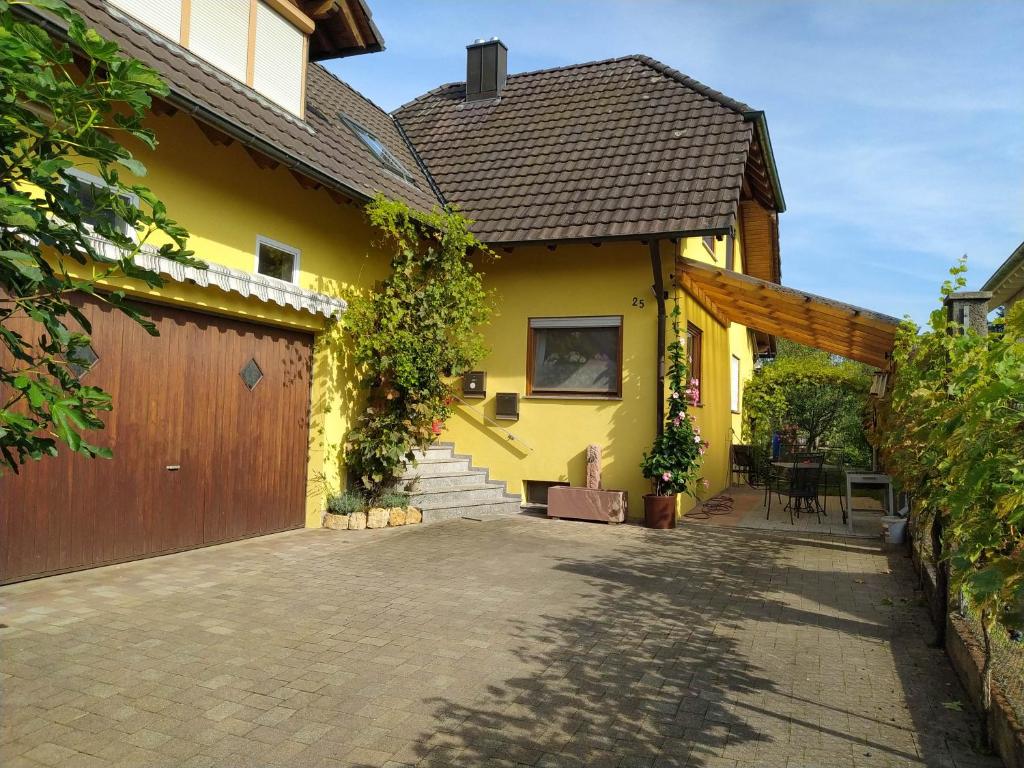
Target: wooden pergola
[[842, 329]]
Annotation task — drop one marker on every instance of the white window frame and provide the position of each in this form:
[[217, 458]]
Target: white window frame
[[96, 181], [735, 376], [295, 253]]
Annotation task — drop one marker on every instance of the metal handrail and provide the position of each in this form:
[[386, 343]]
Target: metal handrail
[[488, 420]]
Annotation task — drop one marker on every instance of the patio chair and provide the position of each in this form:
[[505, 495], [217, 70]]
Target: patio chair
[[743, 463], [775, 480], [804, 486], [835, 471]]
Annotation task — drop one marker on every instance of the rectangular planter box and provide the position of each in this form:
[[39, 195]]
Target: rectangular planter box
[[587, 504]]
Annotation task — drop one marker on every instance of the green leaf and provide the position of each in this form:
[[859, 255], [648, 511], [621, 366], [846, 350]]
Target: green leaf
[[133, 165]]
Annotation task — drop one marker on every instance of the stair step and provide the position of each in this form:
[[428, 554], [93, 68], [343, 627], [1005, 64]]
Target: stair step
[[472, 511], [435, 467], [436, 481], [434, 452], [469, 494]]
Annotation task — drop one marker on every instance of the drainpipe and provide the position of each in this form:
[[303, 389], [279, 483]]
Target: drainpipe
[[659, 297]]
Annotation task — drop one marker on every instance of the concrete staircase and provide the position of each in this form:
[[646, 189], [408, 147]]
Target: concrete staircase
[[445, 485]]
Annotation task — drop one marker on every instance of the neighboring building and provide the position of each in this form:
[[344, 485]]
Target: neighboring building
[[593, 183], [1007, 282]]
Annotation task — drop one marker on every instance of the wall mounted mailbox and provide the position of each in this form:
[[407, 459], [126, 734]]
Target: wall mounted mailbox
[[474, 384], [506, 405]]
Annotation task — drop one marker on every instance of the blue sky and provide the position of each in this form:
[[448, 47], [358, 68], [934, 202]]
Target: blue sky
[[898, 127]]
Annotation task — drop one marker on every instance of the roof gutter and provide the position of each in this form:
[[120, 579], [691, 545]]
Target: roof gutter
[[756, 116], [640, 237]]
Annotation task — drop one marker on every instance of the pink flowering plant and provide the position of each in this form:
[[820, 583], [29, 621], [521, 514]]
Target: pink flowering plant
[[674, 460]]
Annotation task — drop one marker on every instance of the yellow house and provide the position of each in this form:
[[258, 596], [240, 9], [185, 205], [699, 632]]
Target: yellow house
[[592, 183]]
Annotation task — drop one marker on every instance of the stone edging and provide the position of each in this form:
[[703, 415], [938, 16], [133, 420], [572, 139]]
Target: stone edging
[[375, 517], [967, 658]]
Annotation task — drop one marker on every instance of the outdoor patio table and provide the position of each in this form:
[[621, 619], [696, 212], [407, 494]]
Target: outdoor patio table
[[866, 478], [825, 470]]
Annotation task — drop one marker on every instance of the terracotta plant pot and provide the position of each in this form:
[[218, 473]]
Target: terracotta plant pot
[[659, 511]]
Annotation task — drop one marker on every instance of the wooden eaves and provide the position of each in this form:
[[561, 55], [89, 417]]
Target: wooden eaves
[[841, 329]]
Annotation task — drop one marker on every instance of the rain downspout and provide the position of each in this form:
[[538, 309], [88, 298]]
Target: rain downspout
[[659, 296]]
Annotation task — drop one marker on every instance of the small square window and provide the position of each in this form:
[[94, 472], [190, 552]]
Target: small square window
[[276, 260], [94, 202]]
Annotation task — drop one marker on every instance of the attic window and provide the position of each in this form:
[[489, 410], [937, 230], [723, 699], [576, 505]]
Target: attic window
[[379, 149]]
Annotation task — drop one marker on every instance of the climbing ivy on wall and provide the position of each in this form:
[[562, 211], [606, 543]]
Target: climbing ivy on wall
[[411, 335]]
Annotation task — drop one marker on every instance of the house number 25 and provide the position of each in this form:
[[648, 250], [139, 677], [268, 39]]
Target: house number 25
[[638, 302]]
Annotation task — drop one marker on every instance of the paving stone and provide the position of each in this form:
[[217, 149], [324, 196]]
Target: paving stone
[[519, 642]]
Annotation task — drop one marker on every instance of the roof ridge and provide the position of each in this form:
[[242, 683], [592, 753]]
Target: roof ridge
[[577, 65], [424, 96], [356, 91], [697, 85], [657, 66]]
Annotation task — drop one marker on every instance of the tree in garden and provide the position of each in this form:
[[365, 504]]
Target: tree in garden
[[58, 113], [824, 398], [414, 332], [953, 433]]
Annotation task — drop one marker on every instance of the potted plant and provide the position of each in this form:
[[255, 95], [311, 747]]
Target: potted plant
[[675, 458]]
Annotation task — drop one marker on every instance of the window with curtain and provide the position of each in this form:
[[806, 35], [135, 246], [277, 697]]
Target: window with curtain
[[575, 356]]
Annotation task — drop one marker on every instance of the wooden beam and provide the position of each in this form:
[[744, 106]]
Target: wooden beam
[[318, 9], [292, 15], [746, 312], [350, 21], [708, 273], [304, 181], [163, 108], [698, 295], [264, 162], [213, 135]]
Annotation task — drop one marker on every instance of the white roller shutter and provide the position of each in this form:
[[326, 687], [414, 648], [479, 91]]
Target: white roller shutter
[[163, 17], [219, 33], [278, 69]]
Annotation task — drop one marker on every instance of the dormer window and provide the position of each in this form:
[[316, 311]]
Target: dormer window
[[378, 148], [262, 43]]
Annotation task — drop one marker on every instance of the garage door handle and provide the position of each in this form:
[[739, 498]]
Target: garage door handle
[[173, 467]]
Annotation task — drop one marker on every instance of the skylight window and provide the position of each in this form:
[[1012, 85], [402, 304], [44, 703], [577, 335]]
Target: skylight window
[[379, 149]]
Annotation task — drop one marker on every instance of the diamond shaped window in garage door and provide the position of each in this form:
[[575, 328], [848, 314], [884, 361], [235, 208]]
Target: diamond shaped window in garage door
[[251, 374], [81, 360]]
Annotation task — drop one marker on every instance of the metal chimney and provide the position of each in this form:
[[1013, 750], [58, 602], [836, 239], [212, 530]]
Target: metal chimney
[[486, 69]]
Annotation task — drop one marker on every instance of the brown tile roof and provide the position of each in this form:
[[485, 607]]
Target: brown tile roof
[[619, 148], [321, 147]]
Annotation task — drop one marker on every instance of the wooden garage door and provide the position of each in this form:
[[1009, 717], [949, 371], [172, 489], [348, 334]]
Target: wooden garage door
[[199, 457]]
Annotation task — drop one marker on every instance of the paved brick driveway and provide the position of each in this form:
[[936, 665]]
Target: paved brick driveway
[[510, 642]]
